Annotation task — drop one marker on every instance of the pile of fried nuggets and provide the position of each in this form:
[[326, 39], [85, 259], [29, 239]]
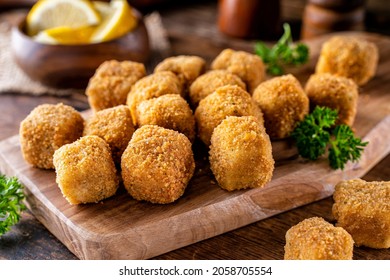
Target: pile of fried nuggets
[[143, 127]]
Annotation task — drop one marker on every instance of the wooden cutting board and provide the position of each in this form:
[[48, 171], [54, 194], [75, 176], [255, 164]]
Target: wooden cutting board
[[122, 228]]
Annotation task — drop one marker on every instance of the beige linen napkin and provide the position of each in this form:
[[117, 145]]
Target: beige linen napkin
[[13, 79]]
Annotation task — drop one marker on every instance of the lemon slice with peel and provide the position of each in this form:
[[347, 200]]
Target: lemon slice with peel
[[65, 35], [117, 19], [48, 14]]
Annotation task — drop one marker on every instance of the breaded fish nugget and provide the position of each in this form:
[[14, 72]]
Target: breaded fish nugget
[[207, 83], [157, 164], [363, 209], [335, 92], [112, 82], [186, 67], [151, 86], [350, 57], [249, 67], [316, 239], [283, 103], [115, 126], [46, 129], [225, 101], [168, 111], [241, 154], [85, 170]]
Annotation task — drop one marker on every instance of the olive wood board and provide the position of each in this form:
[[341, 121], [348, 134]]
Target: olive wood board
[[123, 228]]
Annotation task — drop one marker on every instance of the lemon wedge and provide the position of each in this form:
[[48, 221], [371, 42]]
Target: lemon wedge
[[117, 19], [65, 35], [48, 14]]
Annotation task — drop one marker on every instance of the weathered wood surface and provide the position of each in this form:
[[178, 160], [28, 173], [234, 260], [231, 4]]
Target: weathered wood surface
[[123, 228]]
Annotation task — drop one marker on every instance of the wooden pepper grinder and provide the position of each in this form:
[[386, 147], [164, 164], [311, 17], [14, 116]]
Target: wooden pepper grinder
[[249, 19], [325, 16]]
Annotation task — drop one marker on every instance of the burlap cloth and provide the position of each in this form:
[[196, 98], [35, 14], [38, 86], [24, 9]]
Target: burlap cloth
[[13, 79]]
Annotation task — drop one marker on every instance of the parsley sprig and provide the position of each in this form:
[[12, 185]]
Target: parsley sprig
[[317, 134], [284, 52], [11, 202]]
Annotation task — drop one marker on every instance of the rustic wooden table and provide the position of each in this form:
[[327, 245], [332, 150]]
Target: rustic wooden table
[[265, 239]]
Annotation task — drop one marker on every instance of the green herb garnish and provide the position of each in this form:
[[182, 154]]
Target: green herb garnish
[[316, 135], [11, 202], [284, 52]]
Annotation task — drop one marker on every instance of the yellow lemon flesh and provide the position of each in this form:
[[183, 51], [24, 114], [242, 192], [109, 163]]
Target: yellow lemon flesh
[[48, 14], [65, 35], [117, 19]]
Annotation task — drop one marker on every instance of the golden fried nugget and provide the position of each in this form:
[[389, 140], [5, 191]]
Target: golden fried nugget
[[186, 67], [112, 82], [168, 111], [46, 129], [350, 57], [157, 164], [207, 83], [283, 103], [316, 239], [154, 85], [85, 170], [115, 126], [225, 101], [363, 209], [241, 154], [335, 92], [249, 67]]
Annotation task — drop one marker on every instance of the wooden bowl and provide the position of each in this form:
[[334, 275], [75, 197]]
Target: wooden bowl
[[71, 66]]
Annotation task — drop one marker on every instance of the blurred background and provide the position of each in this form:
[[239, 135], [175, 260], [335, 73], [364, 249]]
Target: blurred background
[[262, 19]]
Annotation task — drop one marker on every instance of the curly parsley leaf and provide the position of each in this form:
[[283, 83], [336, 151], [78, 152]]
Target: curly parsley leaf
[[11, 202], [344, 147], [284, 52], [317, 134]]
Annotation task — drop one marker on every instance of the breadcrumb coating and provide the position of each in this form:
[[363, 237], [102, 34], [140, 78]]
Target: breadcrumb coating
[[316, 239], [112, 82], [186, 67], [241, 154], [169, 111], [249, 67], [85, 170], [207, 83], [151, 86], [363, 209], [283, 103], [46, 129], [115, 126], [225, 101], [335, 92], [350, 57], [157, 165]]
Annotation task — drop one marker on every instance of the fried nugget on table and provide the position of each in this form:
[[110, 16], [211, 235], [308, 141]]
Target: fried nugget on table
[[46, 129], [112, 82], [249, 67], [115, 126], [335, 92], [85, 170], [363, 209], [316, 239], [225, 101], [283, 103], [207, 83], [151, 86], [241, 154], [350, 57], [169, 111], [157, 165], [186, 67]]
